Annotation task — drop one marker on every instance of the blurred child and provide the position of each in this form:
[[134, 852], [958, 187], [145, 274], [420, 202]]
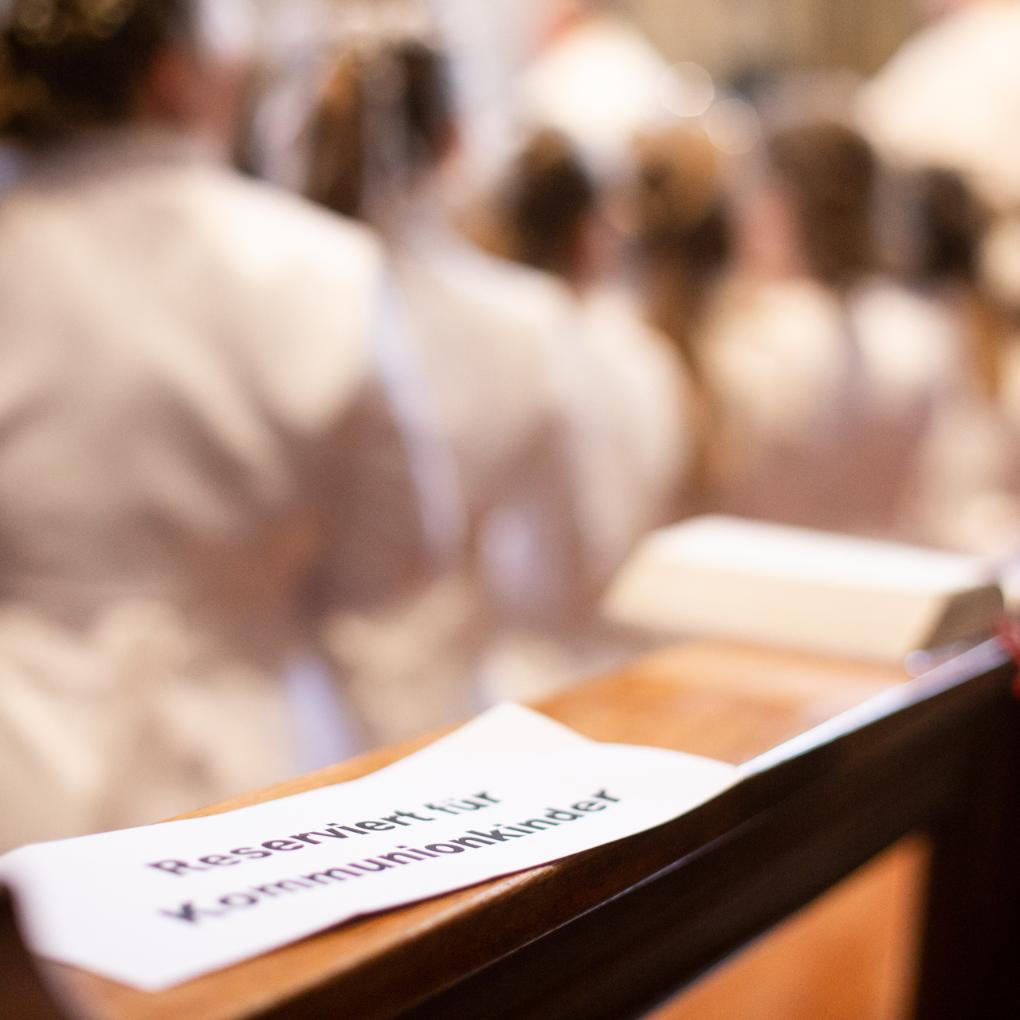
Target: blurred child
[[683, 246], [200, 457], [830, 372], [507, 381]]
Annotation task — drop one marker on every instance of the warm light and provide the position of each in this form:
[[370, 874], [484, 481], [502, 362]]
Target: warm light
[[687, 90], [733, 126]]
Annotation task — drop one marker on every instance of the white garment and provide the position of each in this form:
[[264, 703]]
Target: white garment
[[829, 407], [971, 496], [198, 460], [636, 425], [566, 432], [626, 399], [600, 84], [493, 341], [492, 338], [970, 499], [951, 98]]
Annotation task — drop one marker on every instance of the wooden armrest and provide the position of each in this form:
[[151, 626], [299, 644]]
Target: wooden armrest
[[23, 996]]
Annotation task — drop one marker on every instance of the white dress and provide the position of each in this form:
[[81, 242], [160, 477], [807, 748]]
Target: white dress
[[971, 495], [198, 461], [491, 339], [629, 441], [565, 433], [830, 408], [637, 428], [951, 98]]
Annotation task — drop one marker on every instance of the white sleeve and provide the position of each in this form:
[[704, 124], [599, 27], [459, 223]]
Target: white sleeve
[[386, 486]]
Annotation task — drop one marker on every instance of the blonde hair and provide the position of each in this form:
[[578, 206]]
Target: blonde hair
[[682, 230], [683, 242]]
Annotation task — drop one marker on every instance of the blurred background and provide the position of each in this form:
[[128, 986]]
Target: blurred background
[[350, 348], [728, 37]]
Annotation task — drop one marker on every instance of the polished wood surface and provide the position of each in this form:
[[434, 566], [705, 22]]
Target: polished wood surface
[[23, 996], [798, 718], [851, 955]]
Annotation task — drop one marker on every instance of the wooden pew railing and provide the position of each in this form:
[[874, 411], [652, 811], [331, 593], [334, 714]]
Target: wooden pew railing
[[22, 993], [844, 760]]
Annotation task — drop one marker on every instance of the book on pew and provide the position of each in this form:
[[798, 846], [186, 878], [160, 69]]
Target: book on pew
[[775, 585]]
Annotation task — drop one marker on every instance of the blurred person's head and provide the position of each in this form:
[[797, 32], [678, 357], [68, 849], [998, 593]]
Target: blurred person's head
[[951, 225], [682, 228], [68, 66], [825, 176], [549, 210], [384, 123]]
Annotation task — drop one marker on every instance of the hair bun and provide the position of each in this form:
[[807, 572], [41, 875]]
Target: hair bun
[[66, 64], [54, 23]]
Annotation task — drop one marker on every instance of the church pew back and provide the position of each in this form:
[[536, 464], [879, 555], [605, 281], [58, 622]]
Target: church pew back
[[845, 758]]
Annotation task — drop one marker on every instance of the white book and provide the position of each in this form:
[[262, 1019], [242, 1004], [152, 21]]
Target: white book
[[770, 584]]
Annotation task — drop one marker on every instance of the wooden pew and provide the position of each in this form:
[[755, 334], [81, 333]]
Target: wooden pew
[[22, 994], [846, 758]]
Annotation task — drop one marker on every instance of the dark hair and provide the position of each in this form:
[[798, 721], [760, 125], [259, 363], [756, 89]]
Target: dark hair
[[831, 173], [402, 87], [548, 196], [952, 223], [66, 64], [681, 213]]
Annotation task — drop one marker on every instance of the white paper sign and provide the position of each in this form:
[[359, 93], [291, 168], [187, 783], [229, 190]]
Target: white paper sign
[[156, 906]]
